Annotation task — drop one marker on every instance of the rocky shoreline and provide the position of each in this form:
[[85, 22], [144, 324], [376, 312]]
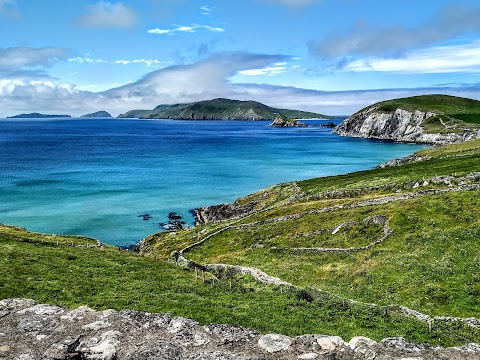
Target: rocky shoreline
[[37, 331]]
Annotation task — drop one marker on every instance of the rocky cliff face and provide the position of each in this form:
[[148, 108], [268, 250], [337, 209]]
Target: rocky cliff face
[[37, 331], [398, 125], [209, 214]]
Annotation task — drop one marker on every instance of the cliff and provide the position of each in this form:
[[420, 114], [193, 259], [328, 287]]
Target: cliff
[[412, 120], [37, 331], [285, 121], [218, 109]]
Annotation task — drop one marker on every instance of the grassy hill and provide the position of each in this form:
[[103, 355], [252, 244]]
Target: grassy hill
[[422, 218], [219, 109], [429, 262], [453, 111]]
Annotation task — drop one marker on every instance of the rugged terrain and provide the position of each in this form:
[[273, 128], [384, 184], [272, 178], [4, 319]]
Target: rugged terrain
[[102, 114], [431, 119], [37, 331], [219, 109], [285, 121]]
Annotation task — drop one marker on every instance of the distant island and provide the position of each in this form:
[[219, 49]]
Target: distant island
[[36, 116], [102, 114], [219, 109]]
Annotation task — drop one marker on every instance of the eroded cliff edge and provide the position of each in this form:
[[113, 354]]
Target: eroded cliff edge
[[421, 119]]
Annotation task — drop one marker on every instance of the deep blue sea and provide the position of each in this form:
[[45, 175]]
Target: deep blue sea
[[93, 177]]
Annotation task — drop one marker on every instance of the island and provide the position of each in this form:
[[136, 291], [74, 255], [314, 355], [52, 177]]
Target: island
[[220, 109], [285, 121], [37, 116], [98, 114], [428, 119]]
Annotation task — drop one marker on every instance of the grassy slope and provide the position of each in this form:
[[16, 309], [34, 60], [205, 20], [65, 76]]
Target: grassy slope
[[217, 109], [108, 278], [430, 263]]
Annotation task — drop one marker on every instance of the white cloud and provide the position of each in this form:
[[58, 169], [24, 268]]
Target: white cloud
[[87, 60], [145, 61], [26, 57], [463, 58], [206, 79], [186, 29], [107, 14], [366, 39], [206, 10]]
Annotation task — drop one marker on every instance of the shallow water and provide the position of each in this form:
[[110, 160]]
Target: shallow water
[[95, 176]]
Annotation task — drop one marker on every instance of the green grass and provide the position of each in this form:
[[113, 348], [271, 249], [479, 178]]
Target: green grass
[[430, 263], [450, 105], [109, 278]]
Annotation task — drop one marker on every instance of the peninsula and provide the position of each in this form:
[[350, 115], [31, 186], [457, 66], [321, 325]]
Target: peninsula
[[219, 109], [429, 119]]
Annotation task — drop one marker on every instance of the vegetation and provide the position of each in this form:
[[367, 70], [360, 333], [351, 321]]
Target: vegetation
[[109, 278], [430, 262], [219, 109]]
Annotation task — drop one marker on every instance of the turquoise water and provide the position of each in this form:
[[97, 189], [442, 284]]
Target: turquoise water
[[95, 176]]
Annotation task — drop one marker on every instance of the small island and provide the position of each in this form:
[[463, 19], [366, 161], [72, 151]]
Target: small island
[[37, 116], [285, 121], [98, 114]]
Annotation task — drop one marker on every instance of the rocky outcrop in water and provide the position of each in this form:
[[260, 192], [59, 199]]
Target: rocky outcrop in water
[[37, 331], [398, 125], [285, 121]]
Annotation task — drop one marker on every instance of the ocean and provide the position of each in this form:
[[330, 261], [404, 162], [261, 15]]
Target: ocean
[[96, 177]]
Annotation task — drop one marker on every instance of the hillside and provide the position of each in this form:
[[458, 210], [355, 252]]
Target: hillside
[[434, 119], [356, 254], [219, 109], [402, 235]]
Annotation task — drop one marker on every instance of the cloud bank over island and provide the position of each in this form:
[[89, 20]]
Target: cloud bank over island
[[327, 56]]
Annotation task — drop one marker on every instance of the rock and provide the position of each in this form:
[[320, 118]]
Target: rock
[[274, 342], [209, 214], [329, 125], [59, 334], [285, 121], [330, 342]]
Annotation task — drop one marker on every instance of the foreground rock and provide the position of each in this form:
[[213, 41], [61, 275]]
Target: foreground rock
[[37, 331]]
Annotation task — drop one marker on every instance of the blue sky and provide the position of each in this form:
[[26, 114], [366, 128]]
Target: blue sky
[[330, 56]]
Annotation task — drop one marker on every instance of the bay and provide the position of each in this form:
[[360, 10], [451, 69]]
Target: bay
[[94, 177]]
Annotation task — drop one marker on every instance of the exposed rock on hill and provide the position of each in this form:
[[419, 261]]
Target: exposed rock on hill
[[400, 120], [37, 331], [285, 121]]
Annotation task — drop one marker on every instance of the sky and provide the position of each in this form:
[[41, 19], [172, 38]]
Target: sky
[[329, 56]]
